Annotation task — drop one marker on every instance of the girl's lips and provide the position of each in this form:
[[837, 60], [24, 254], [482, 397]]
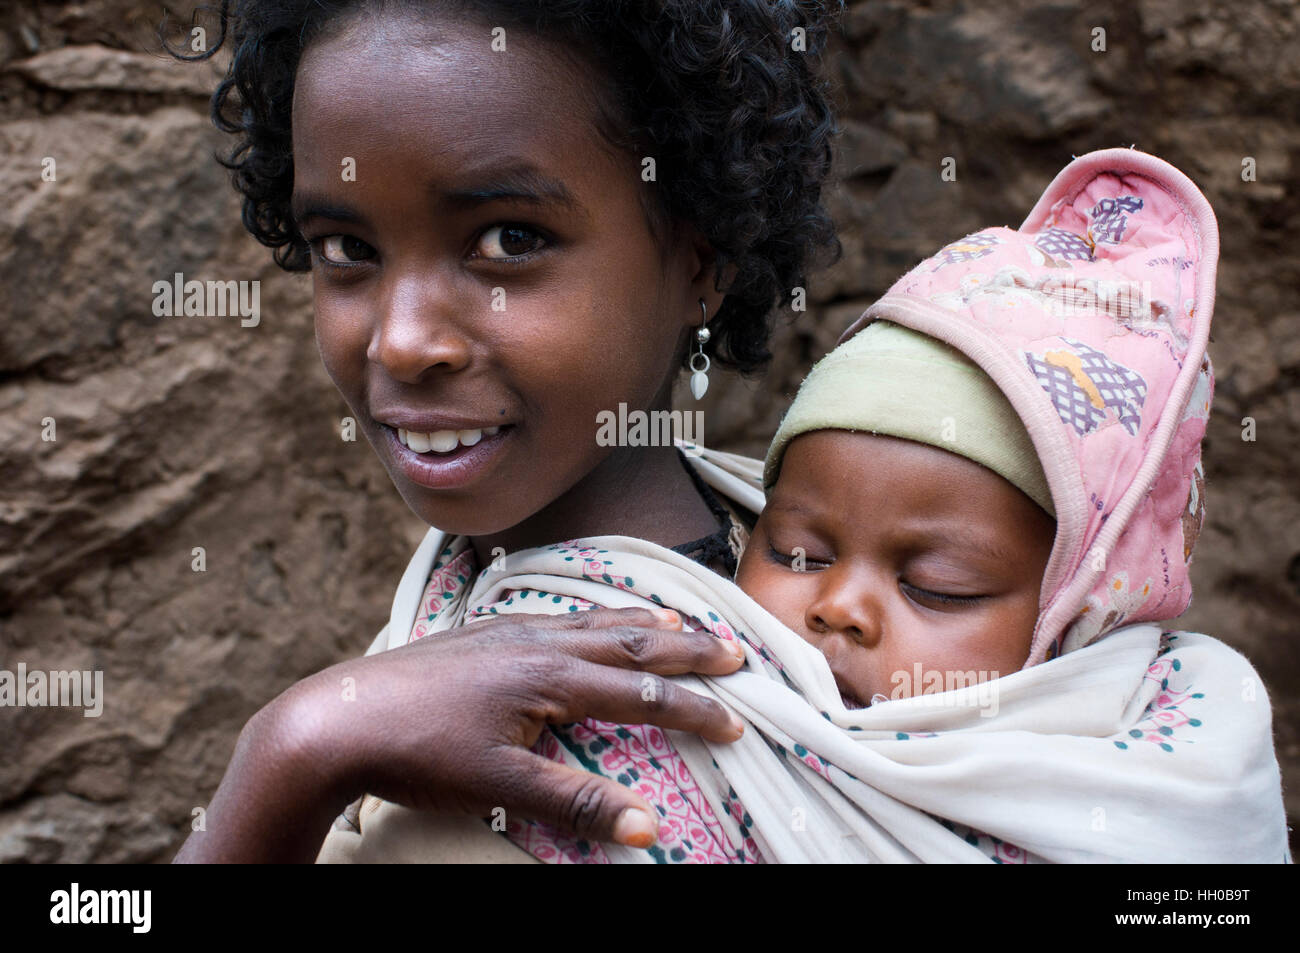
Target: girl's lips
[[455, 468]]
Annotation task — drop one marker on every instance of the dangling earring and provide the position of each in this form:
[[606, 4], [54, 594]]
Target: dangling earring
[[700, 375]]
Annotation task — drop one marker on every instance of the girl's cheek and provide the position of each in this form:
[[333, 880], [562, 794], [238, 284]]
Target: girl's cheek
[[341, 337], [330, 345]]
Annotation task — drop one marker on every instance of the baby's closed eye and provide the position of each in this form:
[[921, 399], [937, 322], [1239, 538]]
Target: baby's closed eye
[[926, 594], [797, 557]]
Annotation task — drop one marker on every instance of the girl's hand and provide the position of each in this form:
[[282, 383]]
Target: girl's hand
[[443, 724]]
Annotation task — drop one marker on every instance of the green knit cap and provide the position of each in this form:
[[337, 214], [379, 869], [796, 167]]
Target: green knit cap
[[888, 379]]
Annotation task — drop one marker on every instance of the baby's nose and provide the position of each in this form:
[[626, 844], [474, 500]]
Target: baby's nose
[[852, 620]]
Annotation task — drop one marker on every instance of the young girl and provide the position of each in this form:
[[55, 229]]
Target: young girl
[[517, 216], [977, 507]]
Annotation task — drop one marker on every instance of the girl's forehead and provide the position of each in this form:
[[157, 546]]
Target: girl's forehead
[[397, 47], [438, 89]]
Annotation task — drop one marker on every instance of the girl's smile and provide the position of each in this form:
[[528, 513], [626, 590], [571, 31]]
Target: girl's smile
[[469, 452]]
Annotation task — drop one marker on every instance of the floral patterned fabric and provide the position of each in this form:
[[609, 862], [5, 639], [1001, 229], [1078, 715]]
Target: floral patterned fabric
[[1062, 762], [638, 756], [1117, 740], [1093, 318]]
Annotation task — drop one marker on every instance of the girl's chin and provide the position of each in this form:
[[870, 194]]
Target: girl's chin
[[455, 513]]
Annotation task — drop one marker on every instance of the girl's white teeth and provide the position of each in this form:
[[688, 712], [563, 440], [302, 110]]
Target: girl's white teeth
[[442, 441]]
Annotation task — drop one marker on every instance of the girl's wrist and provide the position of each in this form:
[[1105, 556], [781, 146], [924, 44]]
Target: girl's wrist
[[277, 800], [302, 738]]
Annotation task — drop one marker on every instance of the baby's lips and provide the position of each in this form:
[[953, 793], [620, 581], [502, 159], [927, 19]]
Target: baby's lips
[[850, 700]]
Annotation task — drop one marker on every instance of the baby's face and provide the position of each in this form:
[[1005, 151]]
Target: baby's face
[[910, 554]]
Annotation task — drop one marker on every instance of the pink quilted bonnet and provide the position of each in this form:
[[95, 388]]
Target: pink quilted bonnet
[[1093, 318]]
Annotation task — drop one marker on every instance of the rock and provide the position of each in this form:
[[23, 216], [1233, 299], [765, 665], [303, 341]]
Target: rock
[[177, 434], [863, 149], [73, 68], [85, 240]]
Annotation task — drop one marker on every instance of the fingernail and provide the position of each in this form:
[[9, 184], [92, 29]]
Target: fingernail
[[737, 725], [668, 615], [736, 649], [635, 828]]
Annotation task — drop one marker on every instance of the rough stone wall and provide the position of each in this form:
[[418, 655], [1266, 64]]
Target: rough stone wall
[[179, 433]]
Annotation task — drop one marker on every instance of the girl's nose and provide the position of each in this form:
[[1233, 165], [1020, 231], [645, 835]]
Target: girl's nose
[[417, 331]]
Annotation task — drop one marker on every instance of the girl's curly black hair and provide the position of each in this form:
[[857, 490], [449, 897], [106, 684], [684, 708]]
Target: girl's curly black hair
[[724, 94]]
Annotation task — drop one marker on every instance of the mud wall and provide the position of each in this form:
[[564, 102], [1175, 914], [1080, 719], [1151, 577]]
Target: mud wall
[[175, 434]]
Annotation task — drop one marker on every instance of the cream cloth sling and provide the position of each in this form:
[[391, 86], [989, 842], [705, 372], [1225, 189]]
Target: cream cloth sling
[[397, 834], [1144, 747]]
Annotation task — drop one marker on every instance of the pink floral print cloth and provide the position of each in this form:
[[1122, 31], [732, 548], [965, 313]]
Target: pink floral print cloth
[[1118, 741], [1093, 319]]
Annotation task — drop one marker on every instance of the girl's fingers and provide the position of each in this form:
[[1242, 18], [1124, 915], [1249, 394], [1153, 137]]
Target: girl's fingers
[[597, 618], [639, 698], [662, 651], [644, 639], [633, 615], [584, 805]]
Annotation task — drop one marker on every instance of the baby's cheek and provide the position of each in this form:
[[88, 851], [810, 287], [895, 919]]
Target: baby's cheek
[[1020, 628], [770, 588], [747, 575], [998, 640]]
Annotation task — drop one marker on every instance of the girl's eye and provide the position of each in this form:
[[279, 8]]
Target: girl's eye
[[344, 250], [797, 559], [942, 598], [505, 242]]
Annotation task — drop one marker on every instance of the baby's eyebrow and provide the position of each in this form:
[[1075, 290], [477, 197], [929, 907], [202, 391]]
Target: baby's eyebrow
[[976, 544]]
